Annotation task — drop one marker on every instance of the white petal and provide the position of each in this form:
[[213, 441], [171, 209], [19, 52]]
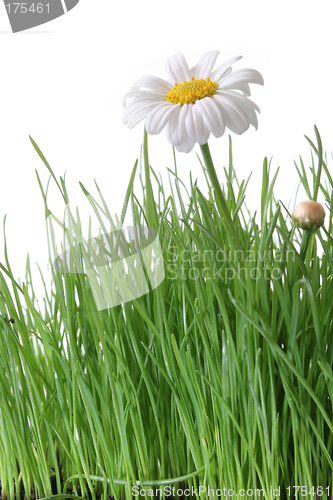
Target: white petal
[[138, 104], [177, 69], [186, 146], [142, 95], [205, 65], [246, 104], [176, 130], [211, 113], [241, 99], [225, 67], [236, 119], [195, 125], [241, 76], [242, 86], [159, 117], [138, 114], [152, 83]]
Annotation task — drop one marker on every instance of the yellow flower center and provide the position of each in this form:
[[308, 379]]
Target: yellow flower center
[[189, 92]]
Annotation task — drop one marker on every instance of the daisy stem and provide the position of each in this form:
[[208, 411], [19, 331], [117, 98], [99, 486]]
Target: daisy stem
[[219, 196], [151, 207]]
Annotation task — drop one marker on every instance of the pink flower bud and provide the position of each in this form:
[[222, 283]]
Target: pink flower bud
[[309, 215]]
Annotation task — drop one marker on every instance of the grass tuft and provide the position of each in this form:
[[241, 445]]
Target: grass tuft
[[219, 377]]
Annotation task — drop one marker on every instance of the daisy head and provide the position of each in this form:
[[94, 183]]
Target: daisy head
[[194, 103]]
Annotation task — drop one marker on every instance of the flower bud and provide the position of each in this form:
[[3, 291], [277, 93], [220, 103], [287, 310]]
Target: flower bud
[[309, 215]]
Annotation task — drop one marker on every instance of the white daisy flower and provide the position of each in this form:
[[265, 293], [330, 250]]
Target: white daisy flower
[[194, 103]]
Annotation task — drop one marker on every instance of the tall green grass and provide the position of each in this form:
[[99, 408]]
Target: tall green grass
[[220, 377]]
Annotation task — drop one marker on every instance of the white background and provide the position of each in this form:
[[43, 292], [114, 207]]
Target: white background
[[62, 83]]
